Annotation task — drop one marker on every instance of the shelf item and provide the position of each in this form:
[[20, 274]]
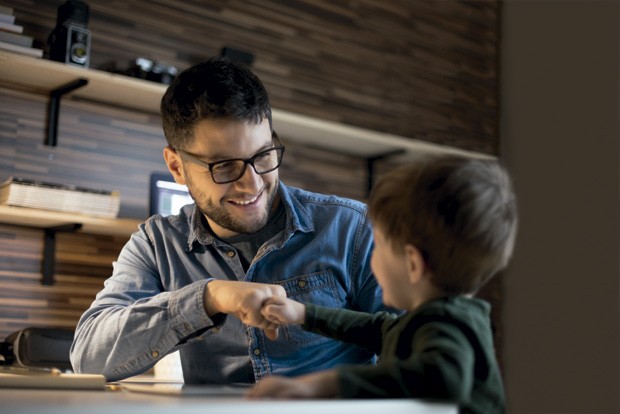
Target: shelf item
[[46, 76], [22, 50], [23, 192], [52, 222]]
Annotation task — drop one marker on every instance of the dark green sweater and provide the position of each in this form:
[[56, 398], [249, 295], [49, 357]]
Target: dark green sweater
[[442, 351]]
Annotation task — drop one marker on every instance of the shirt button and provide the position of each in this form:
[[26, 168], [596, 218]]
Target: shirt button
[[302, 283], [256, 351], [230, 253], [154, 354]]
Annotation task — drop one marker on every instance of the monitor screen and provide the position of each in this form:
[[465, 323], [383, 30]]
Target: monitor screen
[[167, 197]]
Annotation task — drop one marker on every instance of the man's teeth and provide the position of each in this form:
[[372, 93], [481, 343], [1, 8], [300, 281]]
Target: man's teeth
[[244, 202]]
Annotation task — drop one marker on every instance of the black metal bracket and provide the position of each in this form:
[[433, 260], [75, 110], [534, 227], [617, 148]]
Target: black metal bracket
[[370, 166], [49, 250], [54, 109]]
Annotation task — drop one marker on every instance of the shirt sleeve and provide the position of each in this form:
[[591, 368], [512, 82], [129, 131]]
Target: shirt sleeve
[[439, 365], [133, 323]]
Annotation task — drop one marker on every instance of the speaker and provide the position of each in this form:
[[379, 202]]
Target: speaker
[[237, 55], [69, 42]]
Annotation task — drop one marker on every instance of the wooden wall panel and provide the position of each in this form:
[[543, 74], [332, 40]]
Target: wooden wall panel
[[418, 68], [83, 262]]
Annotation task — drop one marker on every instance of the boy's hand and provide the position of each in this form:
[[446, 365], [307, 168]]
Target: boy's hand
[[322, 384], [283, 311], [244, 300]]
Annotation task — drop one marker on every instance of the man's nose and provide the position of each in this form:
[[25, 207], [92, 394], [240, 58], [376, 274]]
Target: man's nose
[[250, 179]]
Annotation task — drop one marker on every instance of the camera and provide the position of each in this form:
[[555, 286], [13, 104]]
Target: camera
[[144, 68], [69, 42]]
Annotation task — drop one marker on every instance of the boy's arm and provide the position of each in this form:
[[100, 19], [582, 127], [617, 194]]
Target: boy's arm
[[360, 328], [322, 384]]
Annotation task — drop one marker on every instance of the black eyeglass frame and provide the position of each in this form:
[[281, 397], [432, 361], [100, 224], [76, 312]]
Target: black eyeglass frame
[[209, 165]]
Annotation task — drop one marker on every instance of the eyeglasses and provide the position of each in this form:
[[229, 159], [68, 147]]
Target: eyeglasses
[[227, 171]]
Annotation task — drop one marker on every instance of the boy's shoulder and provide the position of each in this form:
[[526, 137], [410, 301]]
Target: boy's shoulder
[[463, 313]]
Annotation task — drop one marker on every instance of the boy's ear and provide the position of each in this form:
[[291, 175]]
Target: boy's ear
[[416, 267], [173, 161]]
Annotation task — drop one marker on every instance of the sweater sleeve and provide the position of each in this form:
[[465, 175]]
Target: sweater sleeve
[[437, 362], [360, 328]]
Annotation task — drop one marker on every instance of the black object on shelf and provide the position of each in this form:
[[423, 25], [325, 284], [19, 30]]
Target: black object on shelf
[[237, 55], [69, 42], [148, 69]]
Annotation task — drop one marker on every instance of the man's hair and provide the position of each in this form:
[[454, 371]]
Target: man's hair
[[216, 89], [459, 212]]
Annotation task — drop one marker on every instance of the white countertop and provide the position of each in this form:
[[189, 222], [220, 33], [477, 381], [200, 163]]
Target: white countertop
[[33, 401]]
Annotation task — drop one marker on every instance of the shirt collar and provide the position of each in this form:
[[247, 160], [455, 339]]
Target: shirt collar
[[297, 219]]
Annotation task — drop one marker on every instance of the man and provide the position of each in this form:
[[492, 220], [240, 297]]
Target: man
[[247, 237]]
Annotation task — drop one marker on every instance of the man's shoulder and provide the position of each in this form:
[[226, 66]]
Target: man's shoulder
[[176, 223], [309, 198]]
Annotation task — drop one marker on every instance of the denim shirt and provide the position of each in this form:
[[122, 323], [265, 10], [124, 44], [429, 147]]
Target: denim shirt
[[153, 302]]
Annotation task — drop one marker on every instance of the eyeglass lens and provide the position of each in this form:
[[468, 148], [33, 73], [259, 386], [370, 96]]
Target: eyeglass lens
[[232, 170]]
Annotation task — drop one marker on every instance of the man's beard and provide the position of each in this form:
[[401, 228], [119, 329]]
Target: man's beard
[[223, 218]]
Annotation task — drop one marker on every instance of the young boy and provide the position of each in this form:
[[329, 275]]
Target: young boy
[[442, 228]]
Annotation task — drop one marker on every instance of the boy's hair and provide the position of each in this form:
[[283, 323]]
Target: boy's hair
[[459, 212], [216, 89]]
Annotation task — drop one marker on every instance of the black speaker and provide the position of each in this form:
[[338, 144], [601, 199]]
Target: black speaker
[[237, 55], [69, 42]]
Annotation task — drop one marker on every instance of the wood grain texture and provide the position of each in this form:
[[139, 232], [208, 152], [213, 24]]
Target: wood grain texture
[[83, 262], [422, 69]]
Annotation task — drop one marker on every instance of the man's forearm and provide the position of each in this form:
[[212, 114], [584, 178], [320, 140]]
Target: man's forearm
[[120, 339]]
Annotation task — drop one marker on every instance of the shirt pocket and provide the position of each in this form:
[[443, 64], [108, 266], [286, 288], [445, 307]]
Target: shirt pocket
[[320, 288]]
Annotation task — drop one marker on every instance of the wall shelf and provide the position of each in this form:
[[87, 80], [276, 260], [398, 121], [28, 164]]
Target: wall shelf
[[46, 76], [52, 222], [30, 217]]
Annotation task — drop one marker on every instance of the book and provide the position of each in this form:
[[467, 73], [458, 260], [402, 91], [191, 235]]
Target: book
[[10, 27], [6, 10], [18, 377], [16, 39], [22, 192], [22, 50], [7, 18]]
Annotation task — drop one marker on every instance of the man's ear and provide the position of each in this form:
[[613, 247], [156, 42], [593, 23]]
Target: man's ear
[[173, 161], [416, 266]]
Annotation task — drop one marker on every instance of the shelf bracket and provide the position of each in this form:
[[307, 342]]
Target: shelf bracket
[[370, 166], [54, 109], [49, 250]]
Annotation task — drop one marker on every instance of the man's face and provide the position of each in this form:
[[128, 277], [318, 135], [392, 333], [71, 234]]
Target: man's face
[[242, 206]]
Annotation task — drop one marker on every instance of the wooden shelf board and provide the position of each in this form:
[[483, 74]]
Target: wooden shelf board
[[46, 75], [123, 91], [29, 217]]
